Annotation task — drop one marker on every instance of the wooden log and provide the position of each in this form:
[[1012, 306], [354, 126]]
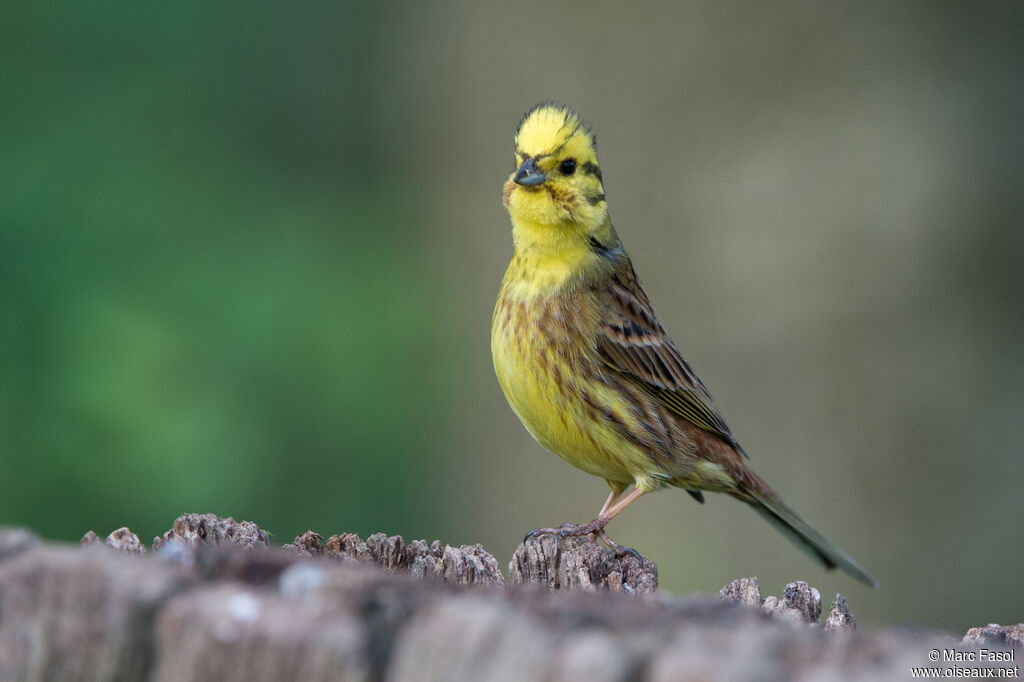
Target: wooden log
[[578, 563], [214, 603]]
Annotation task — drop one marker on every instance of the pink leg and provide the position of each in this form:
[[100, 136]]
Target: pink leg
[[612, 496], [611, 512], [612, 506]]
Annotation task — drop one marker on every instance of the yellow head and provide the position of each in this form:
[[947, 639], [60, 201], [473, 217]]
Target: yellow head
[[557, 181]]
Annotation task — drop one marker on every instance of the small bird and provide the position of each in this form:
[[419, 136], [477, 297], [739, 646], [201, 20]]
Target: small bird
[[584, 360]]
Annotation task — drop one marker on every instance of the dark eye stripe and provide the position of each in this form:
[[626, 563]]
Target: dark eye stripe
[[590, 168]]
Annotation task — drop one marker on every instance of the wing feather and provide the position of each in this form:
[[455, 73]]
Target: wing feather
[[633, 341]]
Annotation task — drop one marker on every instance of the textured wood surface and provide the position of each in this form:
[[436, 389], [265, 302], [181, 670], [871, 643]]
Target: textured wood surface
[[577, 563], [214, 602]]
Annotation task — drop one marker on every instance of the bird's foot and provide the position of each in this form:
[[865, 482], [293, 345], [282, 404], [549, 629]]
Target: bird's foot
[[594, 530], [620, 550], [569, 530]]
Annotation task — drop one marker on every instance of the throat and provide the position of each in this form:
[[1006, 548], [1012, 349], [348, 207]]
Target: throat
[[548, 259]]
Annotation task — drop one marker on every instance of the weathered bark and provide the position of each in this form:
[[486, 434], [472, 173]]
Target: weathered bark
[[578, 563], [799, 603], [73, 614], [215, 603], [466, 565], [997, 635], [210, 529], [121, 539]]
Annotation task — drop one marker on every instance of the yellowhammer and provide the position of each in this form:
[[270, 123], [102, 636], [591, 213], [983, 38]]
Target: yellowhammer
[[585, 362]]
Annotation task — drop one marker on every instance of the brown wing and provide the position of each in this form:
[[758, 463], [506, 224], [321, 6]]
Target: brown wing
[[633, 341]]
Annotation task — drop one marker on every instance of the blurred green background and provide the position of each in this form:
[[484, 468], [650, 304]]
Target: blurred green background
[[248, 258]]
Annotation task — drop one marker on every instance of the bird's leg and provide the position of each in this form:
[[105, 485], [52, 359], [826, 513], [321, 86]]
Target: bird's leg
[[612, 496], [609, 512], [573, 529], [614, 546], [617, 548], [613, 511], [612, 506], [570, 530]]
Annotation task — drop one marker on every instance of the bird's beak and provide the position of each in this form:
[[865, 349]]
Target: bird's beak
[[529, 175]]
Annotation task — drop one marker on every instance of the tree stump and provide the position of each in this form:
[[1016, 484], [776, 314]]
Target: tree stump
[[215, 603]]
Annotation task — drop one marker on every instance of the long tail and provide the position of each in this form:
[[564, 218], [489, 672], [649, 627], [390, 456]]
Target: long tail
[[770, 506]]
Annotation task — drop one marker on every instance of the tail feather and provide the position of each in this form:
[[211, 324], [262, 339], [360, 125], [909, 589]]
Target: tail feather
[[778, 513]]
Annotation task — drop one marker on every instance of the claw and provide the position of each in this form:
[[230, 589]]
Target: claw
[[619, 549], [593, 532], [566, 530], [535, 532], [569, 530], [559, 532]]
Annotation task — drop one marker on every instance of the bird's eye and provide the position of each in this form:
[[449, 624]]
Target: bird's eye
[[568, 167]]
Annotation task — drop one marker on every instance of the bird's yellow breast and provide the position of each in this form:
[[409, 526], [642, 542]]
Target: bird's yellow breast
[[548, 368]]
